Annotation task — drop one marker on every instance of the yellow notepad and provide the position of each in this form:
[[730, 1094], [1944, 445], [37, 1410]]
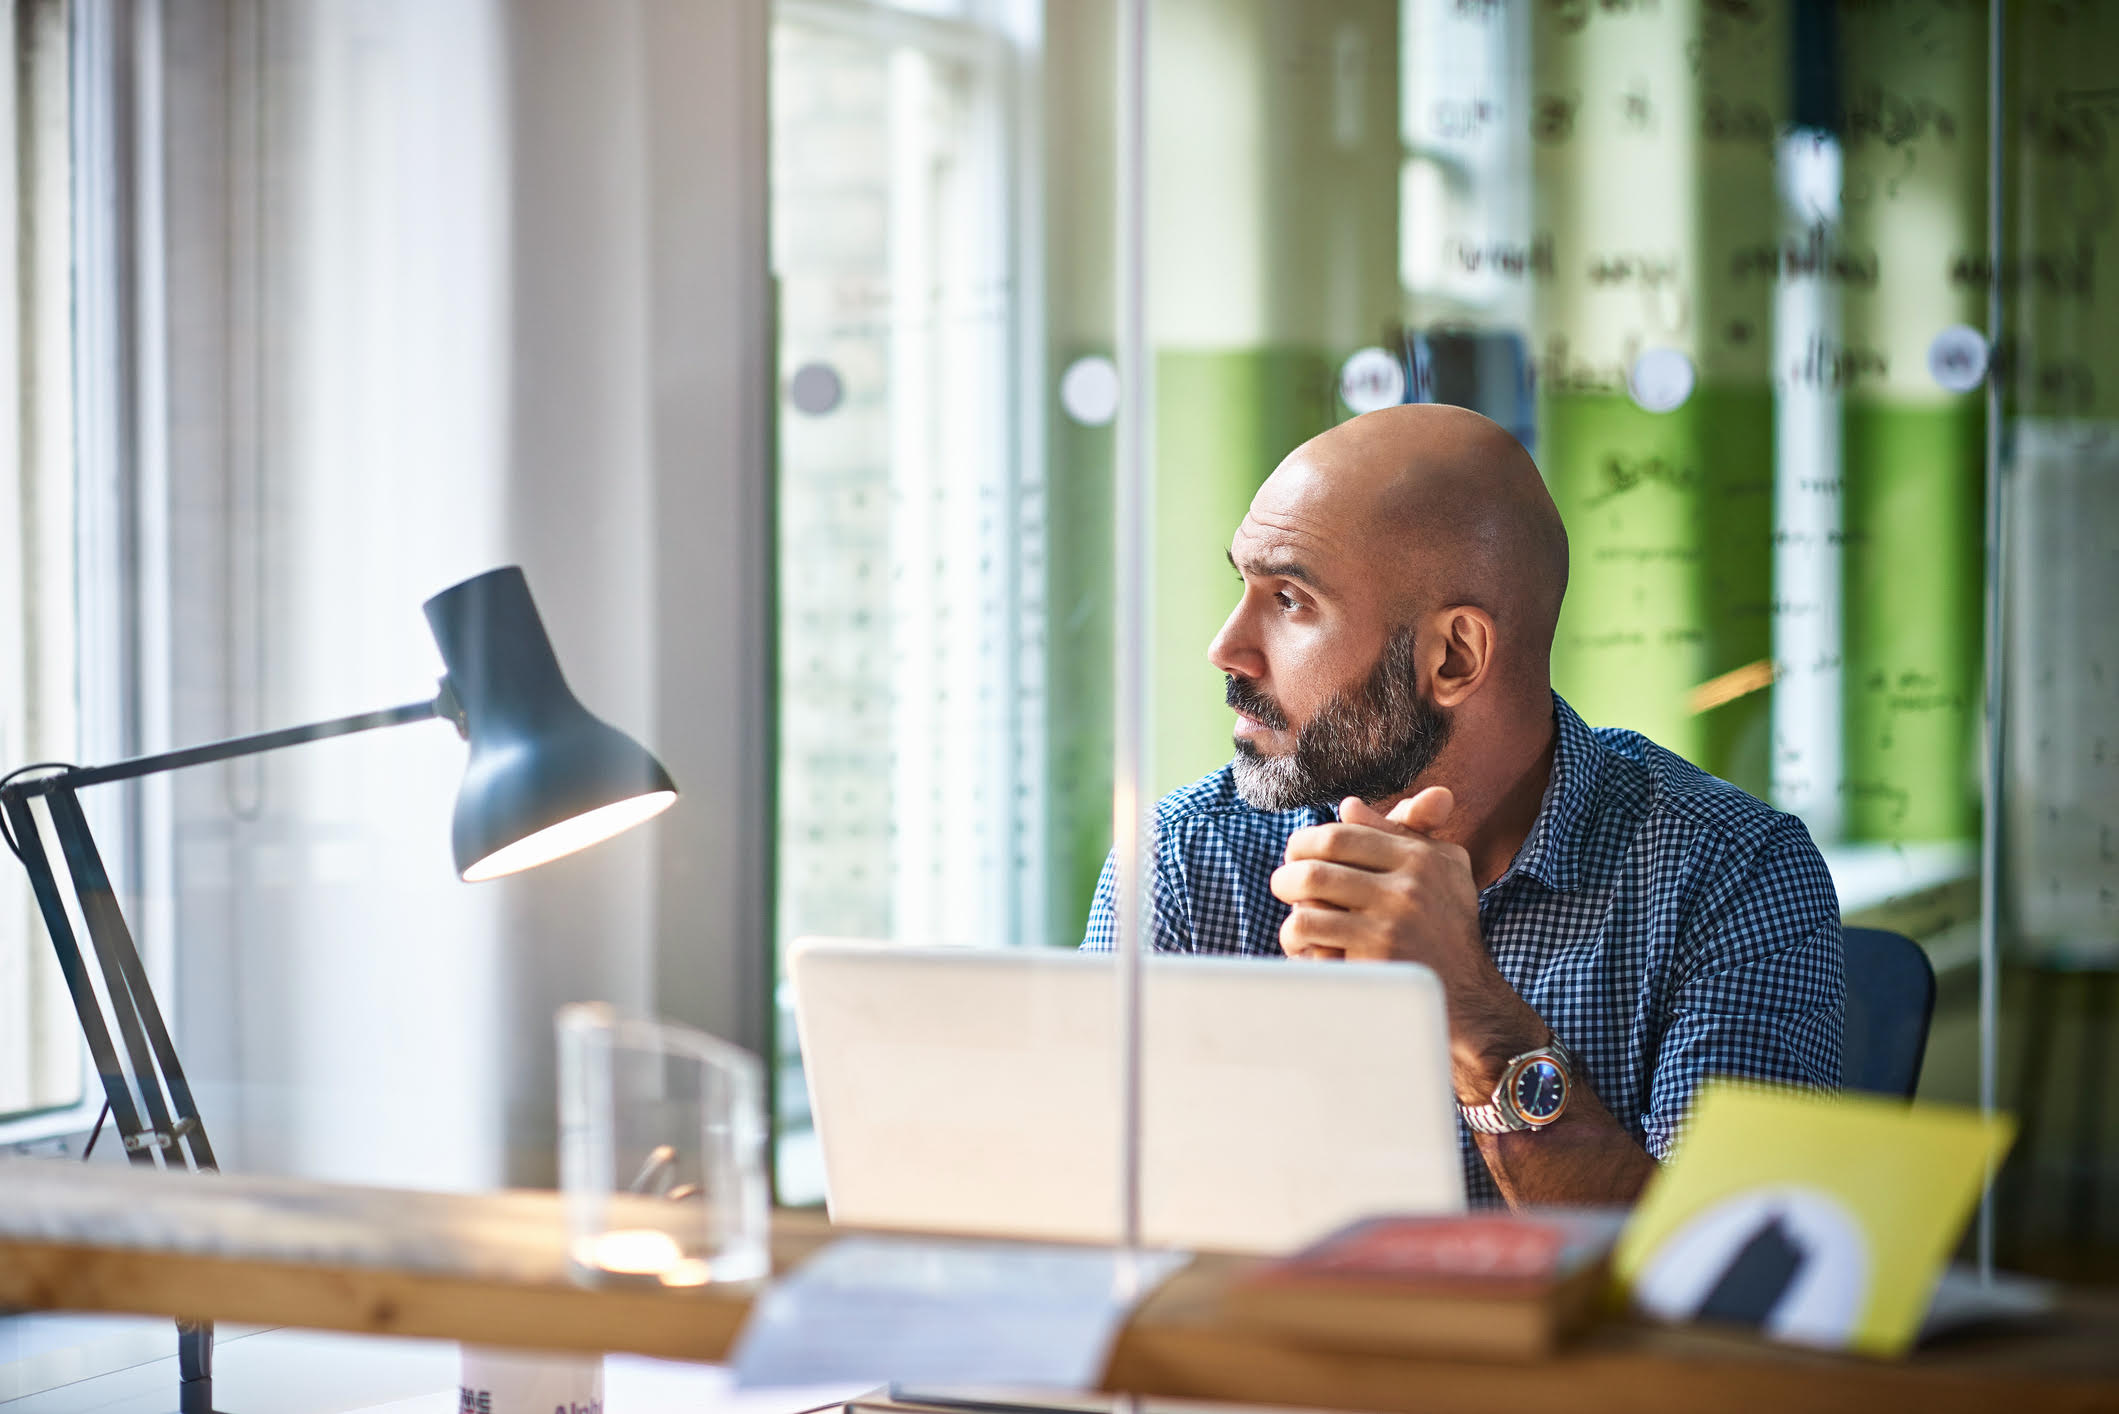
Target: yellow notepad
[[1823, 1219]]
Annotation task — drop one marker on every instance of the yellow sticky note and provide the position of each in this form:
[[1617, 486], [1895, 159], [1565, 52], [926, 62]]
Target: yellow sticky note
[[1824, 1219]]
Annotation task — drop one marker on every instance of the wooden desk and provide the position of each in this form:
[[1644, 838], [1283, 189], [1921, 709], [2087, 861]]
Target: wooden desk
[[492, 1269], [1178, 1344], [489, 1268]]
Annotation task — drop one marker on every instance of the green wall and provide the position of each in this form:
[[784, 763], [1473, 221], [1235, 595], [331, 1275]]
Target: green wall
[[1913, 558], [1669, 516]]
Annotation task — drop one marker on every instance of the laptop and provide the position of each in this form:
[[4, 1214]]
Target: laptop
[[977, 1091]]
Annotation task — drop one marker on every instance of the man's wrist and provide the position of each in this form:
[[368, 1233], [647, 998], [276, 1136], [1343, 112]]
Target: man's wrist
[[1479, 1068], [1531, 1092]]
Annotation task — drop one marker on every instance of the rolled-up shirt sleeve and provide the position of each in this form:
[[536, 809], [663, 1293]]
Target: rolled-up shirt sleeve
[[1765, 996]]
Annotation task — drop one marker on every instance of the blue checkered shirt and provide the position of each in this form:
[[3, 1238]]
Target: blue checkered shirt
[[1666, 925]]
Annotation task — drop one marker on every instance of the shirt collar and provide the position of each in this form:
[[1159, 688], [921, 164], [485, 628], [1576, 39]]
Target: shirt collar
[[1552, 852]]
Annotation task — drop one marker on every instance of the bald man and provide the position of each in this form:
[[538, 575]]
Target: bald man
[[1610, 924]]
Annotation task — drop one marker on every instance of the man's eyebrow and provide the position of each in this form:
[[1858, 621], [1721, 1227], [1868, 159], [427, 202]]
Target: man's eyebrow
[[1277, 569]]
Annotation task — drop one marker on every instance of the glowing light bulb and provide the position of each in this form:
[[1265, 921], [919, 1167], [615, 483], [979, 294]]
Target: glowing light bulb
[[553, 841]]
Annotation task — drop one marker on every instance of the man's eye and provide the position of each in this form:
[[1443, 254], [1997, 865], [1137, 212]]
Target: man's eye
[[1285, 599]]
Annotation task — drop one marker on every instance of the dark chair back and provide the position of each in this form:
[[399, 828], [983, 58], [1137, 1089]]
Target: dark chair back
[[1890, 998]]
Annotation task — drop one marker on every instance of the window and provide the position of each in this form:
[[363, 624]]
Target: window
[[908, 683], [43, 1072]]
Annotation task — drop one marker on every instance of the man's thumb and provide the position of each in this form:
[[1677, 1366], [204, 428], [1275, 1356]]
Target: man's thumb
[[1426, 812]]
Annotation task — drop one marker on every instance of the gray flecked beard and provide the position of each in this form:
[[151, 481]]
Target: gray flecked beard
[[1371, 741]]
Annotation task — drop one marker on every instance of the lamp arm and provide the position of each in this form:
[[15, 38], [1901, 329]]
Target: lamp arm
[[78, 776]]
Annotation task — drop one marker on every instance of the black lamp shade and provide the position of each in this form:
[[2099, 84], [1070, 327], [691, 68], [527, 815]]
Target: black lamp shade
[[546, 777]]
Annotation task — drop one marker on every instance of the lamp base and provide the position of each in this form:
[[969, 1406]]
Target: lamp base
[[196, 1397], [195, 1368]]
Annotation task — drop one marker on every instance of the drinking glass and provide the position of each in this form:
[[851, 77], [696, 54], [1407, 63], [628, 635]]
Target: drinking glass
[[661, 1151]]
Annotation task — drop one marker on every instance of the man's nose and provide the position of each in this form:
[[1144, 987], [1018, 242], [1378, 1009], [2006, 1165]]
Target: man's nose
[[1234, 649]]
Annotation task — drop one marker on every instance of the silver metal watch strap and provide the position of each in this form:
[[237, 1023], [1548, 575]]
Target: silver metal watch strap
[[1489, 1118]]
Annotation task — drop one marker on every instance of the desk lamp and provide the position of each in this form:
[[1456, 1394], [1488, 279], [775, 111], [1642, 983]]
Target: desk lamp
[[545, 778]]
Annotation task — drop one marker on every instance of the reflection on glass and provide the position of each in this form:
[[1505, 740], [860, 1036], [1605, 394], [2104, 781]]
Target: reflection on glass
[[908, 726]]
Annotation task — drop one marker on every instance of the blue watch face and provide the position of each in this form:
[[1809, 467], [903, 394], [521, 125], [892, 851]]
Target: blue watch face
[[1539, 1090]]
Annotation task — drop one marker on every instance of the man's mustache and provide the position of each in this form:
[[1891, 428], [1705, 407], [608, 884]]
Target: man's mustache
[[1251, 700]]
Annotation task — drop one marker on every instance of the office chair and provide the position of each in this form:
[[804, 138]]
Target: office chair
[[1890, 998]]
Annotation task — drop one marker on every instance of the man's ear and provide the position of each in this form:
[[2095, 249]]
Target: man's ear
[[1466, 635]]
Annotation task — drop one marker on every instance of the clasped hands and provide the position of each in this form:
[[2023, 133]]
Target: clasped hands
[[1382, 888]]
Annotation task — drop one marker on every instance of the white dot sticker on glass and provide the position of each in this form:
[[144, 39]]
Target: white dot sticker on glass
[[815, 389], [1661, 380], [1371, 379], [1089, 390], [1957, 358]]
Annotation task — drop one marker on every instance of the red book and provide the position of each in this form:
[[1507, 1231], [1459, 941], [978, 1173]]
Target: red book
[[1483, 1286]]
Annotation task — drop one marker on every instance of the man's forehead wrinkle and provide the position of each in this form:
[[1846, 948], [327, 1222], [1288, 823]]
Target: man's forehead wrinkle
[[1289, 527], [1268, 543]]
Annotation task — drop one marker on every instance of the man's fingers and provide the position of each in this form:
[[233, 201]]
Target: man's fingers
[[1356, 811], [1298, 940], [1421, 814], [1319, 881], [1363, 846], [1313, 932], [1425, 812]]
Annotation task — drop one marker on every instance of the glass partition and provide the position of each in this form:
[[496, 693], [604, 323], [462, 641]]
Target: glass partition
[[1725, 273], [909, 613]]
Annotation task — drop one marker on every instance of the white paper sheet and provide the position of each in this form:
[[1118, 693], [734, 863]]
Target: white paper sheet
[[939, 1313]]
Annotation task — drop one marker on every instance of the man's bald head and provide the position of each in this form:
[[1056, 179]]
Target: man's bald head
[[1444, 507], [1402, 574]]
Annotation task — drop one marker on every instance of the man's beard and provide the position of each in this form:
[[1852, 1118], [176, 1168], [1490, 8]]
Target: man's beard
[[1371, 741]]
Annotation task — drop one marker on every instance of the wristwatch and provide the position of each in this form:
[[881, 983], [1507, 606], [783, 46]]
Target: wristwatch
[[1533, 1092]]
